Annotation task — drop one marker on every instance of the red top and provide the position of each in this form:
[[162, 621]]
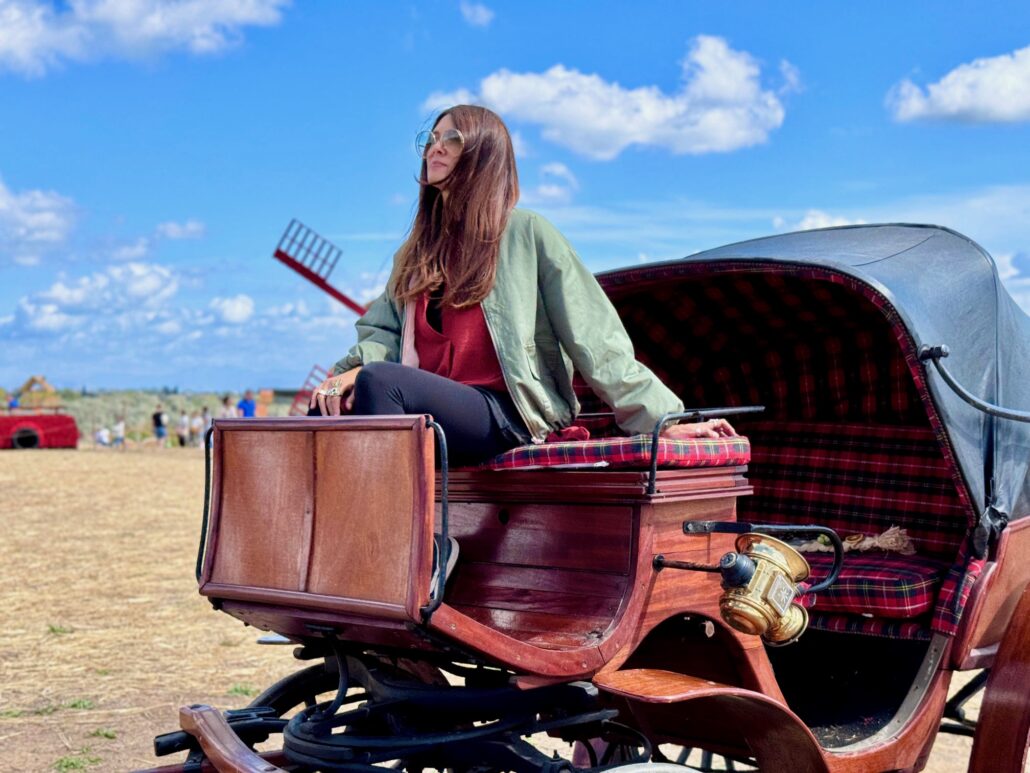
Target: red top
[[462, 350]]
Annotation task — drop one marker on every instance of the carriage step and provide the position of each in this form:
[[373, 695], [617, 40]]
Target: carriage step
[[653, 685]]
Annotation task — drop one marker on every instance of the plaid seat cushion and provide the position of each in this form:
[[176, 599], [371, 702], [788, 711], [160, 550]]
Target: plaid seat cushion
[[633, 452], [870, 626], [877, 584]]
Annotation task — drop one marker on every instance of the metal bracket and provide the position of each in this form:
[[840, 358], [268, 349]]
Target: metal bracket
[[697, 414]]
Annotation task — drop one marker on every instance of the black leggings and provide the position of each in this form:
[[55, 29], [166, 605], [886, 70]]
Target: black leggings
[[478, 423]]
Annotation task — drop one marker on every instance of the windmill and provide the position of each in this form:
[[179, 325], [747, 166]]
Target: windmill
[[314, 258]]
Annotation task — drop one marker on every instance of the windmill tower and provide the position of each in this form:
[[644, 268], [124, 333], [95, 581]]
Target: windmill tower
[[314, 258]]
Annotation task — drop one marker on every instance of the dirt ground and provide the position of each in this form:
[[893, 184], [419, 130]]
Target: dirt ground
[[104, 635]]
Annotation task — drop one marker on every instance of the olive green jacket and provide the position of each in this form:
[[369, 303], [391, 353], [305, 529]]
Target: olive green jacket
[[547, 316]]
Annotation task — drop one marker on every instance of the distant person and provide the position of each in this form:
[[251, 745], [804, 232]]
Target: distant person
[[160, 421], [196, 428], [246, 406], [12, 403], [118, 434], [228, 410], [182, 429], [205, 417], [102, 438]]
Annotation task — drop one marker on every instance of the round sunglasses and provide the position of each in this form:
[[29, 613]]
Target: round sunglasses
[[452, 139]]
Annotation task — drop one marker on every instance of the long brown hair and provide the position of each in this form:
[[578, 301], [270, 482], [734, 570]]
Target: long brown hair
[[453, 244]]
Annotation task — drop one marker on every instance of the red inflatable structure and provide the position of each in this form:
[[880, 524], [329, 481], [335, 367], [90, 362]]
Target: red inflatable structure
[[38, 430]]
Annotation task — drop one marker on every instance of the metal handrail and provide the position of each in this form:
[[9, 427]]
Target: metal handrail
[[207, 500], [935, 354], [445, 544], [694, 415]]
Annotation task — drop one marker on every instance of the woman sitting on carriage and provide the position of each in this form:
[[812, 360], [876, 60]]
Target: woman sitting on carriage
[[488, 313]]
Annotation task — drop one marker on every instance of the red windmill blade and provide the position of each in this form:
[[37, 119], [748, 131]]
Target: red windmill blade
[[301, 400], [314, 258]]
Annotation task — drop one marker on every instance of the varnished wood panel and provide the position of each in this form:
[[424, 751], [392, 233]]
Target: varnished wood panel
[[363, 530], [545, 535], [220, 744], [262, 530], [553, 631], [530, 590], [683, 708], [1003, 730], [578, 583], [306, 513], [571, 662], [994, 596]]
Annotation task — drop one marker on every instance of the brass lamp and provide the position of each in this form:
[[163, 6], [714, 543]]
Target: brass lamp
[[759, 587]]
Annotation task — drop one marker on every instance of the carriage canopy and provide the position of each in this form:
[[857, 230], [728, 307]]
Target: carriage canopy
[[934, 285]]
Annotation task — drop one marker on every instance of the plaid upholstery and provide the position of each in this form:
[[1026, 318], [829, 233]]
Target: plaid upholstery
[[808, 343], [856, 479], [850, 437], [627, 452], [863, 479], [869, 626], [955, 591], [877, 583]]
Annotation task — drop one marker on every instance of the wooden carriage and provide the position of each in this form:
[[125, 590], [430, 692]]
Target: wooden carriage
[[582, 604]]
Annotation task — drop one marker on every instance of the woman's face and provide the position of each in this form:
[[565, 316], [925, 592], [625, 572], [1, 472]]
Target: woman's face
[[440, 160]]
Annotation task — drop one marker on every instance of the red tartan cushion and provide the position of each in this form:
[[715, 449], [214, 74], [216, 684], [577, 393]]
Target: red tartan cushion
[[870, 626], [627, 452], [878, 584]]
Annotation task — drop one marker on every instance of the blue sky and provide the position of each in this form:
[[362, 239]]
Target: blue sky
[[151, 153]]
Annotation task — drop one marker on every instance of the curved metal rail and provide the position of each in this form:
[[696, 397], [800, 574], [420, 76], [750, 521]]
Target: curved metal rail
[[937, 353]]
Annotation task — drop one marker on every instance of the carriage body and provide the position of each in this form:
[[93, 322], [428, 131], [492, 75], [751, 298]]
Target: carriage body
[[323, 530]]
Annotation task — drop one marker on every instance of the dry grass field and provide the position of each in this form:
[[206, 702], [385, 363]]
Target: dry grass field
[[104, 635]]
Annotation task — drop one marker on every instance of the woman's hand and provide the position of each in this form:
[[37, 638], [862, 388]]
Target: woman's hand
[[335, 395], [713, 428]]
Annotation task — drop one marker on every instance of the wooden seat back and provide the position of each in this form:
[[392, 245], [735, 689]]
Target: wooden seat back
[[328, 515]]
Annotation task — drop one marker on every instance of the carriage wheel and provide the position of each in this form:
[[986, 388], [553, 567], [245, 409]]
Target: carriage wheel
[[299, 689], [1003, 730]]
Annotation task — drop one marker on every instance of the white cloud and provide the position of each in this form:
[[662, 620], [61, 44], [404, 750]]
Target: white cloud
[[476, 14], [814, 218], [48, 317], [132, 286], [150, 284], [32, 218], [1006, 265], [134, 251], [191, 229], [35, 35], [791, 76], [234, 310], [519, 145], [557, 186], [120, 300], [438, 101], [721, 105], [992, 89]]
